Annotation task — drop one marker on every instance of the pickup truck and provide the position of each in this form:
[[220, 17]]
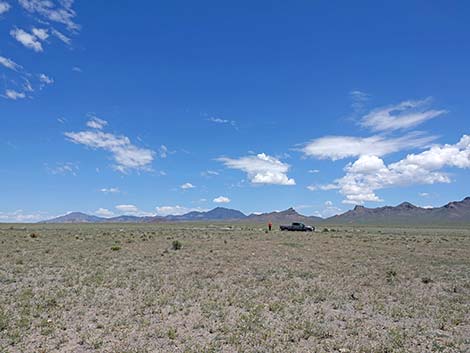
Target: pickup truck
[[297, 227]]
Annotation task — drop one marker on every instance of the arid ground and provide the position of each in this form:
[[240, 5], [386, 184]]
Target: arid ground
[[220, 288]]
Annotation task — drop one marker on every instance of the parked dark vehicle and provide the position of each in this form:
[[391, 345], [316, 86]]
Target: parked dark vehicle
[[297, 227]]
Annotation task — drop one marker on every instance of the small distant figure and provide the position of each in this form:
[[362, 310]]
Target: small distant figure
[[270, 226]]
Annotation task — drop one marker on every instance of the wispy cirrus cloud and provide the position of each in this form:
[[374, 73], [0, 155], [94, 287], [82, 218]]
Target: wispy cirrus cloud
[[61, 36], [110, 190], [126, 155], [261, 169], [95, 122], [63, 168], [9, 64], [340, 147], [55, 11], [401, 116]]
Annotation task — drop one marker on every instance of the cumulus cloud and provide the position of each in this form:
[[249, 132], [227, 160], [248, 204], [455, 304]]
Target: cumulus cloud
[[340, 147], [29, 40], [175, 210], [126, 155], [261, 169], [96, 123], [9, 64], [329, 210], [369, 173], [400, 116], [20, 216], [60, 12], [221, 199], [132, 210], [45, 79], [14, 95], [186, 186], [104, 212]]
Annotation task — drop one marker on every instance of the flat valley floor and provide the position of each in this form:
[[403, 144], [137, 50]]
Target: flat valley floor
[[233, 288]]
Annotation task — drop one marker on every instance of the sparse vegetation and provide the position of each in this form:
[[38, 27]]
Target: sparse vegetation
[[176, 245], [233, 290]]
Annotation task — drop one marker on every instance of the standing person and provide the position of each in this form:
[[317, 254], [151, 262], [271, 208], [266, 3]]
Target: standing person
[[270, 225]]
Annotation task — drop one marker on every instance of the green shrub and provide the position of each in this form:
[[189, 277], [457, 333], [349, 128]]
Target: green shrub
[[176, 245]]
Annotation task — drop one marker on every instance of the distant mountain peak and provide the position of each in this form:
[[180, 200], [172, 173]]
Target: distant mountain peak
[[406, 205]]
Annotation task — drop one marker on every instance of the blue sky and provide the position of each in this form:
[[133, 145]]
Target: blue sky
[[165, 107]]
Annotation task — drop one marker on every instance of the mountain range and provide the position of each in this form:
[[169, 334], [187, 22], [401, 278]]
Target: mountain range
[[457, 212]]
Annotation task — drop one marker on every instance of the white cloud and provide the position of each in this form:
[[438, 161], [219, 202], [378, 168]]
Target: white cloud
[[313, 171], [133, 211], [40, 33], [176, 210], [20, 216], [329, 210], [45, 79], [209, 173], [339, 147], [10, 64], [130, 209], [96, 123], [261, 169], [14, 95], [222, 121], [423, 194], [312, 187], [359, 100], [401, 116], [110, 190], [29, 40], [186, 186], [76, 69], [126, 155], [369, 173], [63, 168], [61, 36], [221, 199], [4, 7], [163, 151], [60, 12], [104, 212]]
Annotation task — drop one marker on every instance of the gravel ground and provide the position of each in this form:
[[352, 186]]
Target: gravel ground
[[233, 288]]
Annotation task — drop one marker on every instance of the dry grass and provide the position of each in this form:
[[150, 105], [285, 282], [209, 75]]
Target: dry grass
[[210, 288]]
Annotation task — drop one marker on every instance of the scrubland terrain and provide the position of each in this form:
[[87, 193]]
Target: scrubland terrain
[[219, 288]]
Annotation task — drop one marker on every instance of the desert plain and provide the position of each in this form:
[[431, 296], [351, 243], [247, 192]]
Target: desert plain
[[221, 287]]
